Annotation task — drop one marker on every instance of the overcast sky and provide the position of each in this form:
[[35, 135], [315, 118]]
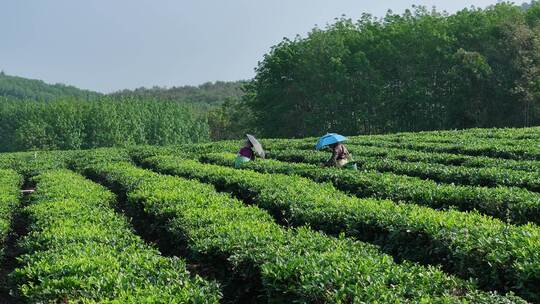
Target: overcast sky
[[107, 45]]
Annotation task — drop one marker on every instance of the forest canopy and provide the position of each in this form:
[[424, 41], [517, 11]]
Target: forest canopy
[[28, 105], [23, 88], [421, 70], [105, 122], [209, 93]]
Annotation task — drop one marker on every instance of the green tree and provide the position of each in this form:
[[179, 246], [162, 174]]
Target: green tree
[[107, 122], [421, 70], [231, 120]]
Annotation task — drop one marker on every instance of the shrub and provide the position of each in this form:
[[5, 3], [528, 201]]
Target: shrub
[[78, 249]]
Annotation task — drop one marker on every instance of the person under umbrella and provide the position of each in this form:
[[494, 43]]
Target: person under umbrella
[[248, 151], [340, 155]]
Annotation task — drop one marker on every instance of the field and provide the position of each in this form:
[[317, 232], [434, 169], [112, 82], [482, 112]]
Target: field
[[430, 217]]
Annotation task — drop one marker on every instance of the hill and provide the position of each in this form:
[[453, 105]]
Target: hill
[[15, 87], [216, 102], [210, 93]]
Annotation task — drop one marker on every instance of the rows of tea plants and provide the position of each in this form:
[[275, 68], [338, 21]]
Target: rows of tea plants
[[509, 204], [498, 135], [456, 138], [32, 163], [501, 256], [413, 152], [490, 177], [479, 148], [80, 250], [378, 149], [287, 265], [467, 140], [293, 232], [452, 142], [443, 158], [10, 183]]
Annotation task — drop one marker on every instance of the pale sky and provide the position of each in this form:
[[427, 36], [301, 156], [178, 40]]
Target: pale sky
[[107, 45]]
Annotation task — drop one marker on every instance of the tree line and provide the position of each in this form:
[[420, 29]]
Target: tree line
[[420, 70], [209, 93], [28, 107], [24, 88], [105, 122]]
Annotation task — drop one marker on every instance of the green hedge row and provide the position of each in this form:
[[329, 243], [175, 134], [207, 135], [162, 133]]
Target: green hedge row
[[5, 160], [501, 256], [484, 148], [189, 151], [443, 158], [10, 184], [467, 153], [512, 140], [142, 152], [79, 250], [30, 164], [464, 138], [468, 140], [473, 133], [290, 265], [509, 204], [489, 177], [359, 151]]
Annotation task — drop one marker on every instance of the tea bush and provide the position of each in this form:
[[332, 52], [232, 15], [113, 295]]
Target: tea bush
[[501, 256], [79, 250]]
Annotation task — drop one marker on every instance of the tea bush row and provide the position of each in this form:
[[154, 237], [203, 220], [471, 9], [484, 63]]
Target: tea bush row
[[291, 265], [79, 250], [10, 183], [499, 255]]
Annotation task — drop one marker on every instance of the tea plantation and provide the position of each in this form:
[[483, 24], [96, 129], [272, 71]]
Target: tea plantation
[[429, 217]]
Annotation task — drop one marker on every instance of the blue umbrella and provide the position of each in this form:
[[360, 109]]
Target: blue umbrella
[[328, 139]]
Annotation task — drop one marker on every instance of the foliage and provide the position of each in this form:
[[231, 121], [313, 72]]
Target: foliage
[[76, 124], [477, 147], [23, 89], [210, 93], [10, 183], [260, 249], [471, 134], [509, 204], [227, 116], [422, 70], [80, 250], [296, 265], [490, 177], [30, 164], [218, 102], [361, 151], [231, 120], [501, 256]]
